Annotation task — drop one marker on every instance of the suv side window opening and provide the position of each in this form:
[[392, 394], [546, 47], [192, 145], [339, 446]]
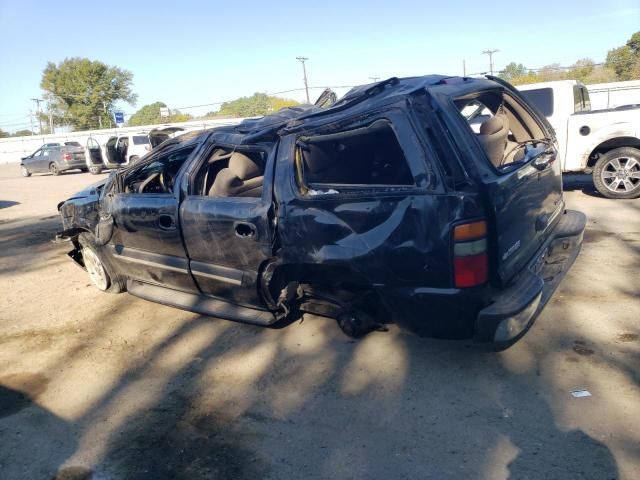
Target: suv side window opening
[[158, 174], [230, 172], [359, 157], [506, 130]]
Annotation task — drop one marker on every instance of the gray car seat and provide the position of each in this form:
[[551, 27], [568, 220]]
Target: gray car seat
[[493, 137], [242, 178]]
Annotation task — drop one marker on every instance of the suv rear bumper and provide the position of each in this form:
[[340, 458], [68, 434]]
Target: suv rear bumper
[[513, 310], [70, 165]]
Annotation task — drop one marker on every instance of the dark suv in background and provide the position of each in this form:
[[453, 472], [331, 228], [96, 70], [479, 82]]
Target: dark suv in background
[[384, 207]]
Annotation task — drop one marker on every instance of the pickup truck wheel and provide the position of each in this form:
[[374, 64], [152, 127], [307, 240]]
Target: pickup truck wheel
[[95, 169], [134, 159], [24, 171], [99, 270], [617, 173], [53, 169]]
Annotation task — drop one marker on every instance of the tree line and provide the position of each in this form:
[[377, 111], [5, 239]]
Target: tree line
[[622, 63]]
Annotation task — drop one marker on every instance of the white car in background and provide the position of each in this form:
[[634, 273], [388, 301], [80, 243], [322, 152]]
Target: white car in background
[[125, 149]]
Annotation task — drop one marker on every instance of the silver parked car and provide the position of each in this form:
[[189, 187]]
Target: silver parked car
[[54, 159]]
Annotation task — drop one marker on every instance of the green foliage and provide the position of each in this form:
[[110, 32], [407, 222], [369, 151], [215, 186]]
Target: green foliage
[[621, 60], [150, 115], [623, 63], [83, 90], [513, 70], [22, 133], [258, 104], [4, 134]]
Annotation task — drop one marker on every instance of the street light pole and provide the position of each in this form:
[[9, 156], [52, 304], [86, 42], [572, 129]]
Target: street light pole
[[490, 53], [304, 72]]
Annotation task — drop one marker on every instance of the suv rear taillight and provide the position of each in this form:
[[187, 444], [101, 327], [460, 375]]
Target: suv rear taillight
[[470, 260], [67, 157]]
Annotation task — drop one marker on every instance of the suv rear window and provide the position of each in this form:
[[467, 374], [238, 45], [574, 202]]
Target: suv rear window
[[369, 155], [542, 98], [140, 140]]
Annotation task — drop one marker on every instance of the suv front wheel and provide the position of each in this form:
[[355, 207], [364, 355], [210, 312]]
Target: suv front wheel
[[101, 274], [617, 173]]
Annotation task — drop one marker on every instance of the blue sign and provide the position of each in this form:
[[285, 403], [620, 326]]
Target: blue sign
[[119, 117]]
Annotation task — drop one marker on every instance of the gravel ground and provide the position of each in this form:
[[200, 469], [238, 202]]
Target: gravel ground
[[99, 386]]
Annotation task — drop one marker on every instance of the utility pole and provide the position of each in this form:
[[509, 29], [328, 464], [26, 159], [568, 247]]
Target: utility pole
[[50, 114], [304, 72], [38, 100], [490, 53], [31, 121], [375, 79]]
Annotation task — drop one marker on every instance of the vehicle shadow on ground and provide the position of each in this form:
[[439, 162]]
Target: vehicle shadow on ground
[[204, 398], [24, 240], [8, 203], [582, 182]]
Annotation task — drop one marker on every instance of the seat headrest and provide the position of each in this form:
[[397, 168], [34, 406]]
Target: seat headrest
[[493, 125], [243, 167]]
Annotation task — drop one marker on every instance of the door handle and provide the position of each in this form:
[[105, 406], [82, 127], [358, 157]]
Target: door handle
[[166, 222], [245, 230], [544, 160]]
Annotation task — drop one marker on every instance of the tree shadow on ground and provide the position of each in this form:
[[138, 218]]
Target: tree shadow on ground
[[213, 399]]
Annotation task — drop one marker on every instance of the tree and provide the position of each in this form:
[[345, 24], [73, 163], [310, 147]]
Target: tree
[[4, 134], [625, 60], [150, 115], [581, 69], [22, 133], [513, 70], [258, 104], [84, 91]]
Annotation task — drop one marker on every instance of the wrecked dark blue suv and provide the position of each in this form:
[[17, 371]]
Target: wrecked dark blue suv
[[431, 202]]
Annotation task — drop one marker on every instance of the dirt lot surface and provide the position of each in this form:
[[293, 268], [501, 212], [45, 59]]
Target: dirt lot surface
[[99, 386]]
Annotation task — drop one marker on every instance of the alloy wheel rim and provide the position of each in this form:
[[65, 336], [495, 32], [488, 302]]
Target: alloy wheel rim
[[95, 269], [621, 174]]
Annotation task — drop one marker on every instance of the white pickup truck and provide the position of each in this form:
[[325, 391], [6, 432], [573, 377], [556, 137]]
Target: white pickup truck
[[605, 143]]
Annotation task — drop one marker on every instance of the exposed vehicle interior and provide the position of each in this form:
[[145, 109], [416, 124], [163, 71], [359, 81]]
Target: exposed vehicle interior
[[232, 173], [157, 175], [95, 152], [505, 128], [370, 155]]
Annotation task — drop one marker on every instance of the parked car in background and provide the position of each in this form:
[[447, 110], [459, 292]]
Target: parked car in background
[[384, 207], [54, 159], [604, 143], [123, 150]]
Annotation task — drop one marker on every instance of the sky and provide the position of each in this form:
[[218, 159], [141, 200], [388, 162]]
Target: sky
[[190, 53]]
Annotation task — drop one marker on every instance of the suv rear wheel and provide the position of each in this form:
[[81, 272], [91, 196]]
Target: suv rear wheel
[[617, 173]]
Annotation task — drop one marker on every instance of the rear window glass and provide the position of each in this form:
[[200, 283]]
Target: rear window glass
[[140, 140], [542, 98]]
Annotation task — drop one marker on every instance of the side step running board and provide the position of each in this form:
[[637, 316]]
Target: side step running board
[[199, 304]]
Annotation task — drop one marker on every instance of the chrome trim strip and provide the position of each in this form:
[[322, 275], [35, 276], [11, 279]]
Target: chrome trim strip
[[233, 281], [149, 263]]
